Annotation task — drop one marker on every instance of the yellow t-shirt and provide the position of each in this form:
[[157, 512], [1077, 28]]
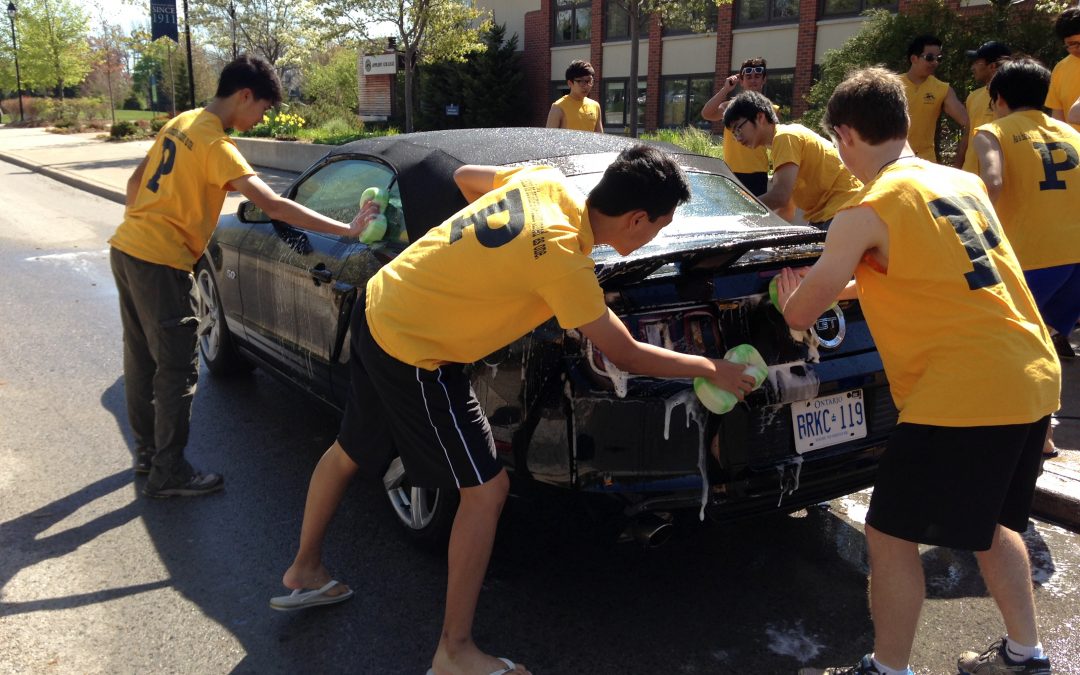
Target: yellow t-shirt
[[187, 176], [1064, 85], [489, 274], [824, 184], [581, 115], [1039, 205], [957, 329], [924, 106], [979, 113]]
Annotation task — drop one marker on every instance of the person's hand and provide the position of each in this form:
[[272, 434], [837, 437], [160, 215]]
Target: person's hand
[[731, 82], [368, 210], [731, 377], [787, 282]]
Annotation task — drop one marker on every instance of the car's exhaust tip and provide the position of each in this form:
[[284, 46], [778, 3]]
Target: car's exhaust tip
[[651, 531]]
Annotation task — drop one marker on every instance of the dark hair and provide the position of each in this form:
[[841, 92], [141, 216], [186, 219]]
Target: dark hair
[[1068, 23], [250, 72], [579, 68], [872, 102], [1023, 83], [746, 106], [920, 43], [756, 61], [641, 177]]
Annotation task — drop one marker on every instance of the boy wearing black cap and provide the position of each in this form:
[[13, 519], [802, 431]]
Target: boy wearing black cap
[[984, 63]]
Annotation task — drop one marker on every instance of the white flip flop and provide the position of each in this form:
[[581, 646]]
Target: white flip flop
[[510, 667], [301, 599]]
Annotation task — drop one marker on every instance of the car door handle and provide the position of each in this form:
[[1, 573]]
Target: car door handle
[[320, 273]]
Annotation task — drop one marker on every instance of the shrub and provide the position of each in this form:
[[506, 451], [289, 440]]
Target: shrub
[[157, 123], [693, 139], [132, 103], [278, 124], [123, 129]]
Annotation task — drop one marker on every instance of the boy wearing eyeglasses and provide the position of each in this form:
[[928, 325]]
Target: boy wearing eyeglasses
[[750, 165], [576, 110], [1065, 80], [927, 96]]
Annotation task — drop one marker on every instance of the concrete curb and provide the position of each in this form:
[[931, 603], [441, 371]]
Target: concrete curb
[[75, 181]]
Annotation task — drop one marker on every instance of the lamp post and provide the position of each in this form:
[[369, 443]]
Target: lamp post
[[11, 12]]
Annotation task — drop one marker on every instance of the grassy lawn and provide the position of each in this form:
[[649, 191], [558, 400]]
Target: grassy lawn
[[132, 115]]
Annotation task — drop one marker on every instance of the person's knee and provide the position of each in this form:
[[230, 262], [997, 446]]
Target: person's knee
[[491, 494], [340, 460]]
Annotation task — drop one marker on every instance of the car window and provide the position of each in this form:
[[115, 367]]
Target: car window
[[334, 191], [711, 196]]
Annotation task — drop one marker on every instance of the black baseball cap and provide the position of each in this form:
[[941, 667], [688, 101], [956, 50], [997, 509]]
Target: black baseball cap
[[989, 52]]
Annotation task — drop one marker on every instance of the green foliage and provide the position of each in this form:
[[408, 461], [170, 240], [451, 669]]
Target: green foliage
[[54, 50], [332, 87], [278, 124], [132, 102], [123, 129], [488, 87], [693, 139], [339, 132]]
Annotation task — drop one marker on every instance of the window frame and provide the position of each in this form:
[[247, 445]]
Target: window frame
[[687, 79], [349, 205], [643, 32], [606, 109], [823, 14], [573, 6], [711, 24], [769, 20]]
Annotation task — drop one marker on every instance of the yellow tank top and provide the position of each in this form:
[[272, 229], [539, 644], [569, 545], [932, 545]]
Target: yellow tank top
[[824, 184], [186, 179], [581, 115], [489, 274], [957, 329], [979, 113], [1064, 86], [1039, 206], [924, 106]]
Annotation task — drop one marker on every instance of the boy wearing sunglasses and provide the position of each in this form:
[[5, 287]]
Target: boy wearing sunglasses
[[927, 96], [750, 165], [1065, 80]]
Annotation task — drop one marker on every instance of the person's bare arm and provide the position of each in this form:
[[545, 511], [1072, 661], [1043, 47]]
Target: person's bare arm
[[610, 336], [475, 180], [1074, 113], [1058, 113], [781, 187], [988, 150], [853, 232], [955, 109], [555, 118], [961, 148], [134, 181], [288, 211], [714, 108], [599, 123]]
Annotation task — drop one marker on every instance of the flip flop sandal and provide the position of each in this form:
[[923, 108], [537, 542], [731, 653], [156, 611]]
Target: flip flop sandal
[[301, 599]]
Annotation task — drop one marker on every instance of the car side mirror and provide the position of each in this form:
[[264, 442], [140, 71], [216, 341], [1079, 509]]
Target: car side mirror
[[249, 213]]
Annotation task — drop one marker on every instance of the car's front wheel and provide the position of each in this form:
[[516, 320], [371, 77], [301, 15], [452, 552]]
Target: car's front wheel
[[215, 343], [426, 514]]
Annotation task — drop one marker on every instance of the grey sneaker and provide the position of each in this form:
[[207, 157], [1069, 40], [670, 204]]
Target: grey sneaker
[[864, 667], [995, 661], [144, 459], [198, 484]]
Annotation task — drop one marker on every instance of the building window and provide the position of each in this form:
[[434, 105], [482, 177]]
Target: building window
[[692, 22], [780, 89], [572, 21], [558, 90], [617, 22], [854, 7], [616, 112], [759, 12], [681, 99]]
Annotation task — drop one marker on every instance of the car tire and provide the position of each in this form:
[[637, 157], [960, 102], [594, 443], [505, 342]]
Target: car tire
[[215, 342], [425, 514]]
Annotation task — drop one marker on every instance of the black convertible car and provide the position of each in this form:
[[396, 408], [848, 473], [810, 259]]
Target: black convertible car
[[280, 297]]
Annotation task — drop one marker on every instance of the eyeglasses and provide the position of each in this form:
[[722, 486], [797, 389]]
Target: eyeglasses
[[736, 130], [753, 70], [1072, 44], [584, 81], [930, 58]]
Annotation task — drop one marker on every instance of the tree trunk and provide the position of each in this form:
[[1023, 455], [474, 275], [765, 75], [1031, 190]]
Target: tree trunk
[[410, 75], [634, 10]]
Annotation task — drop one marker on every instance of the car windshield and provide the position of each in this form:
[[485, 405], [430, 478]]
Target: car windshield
[[711, 196]]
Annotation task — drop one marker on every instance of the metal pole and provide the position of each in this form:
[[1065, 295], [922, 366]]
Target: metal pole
[[15, 48], [190, 65]]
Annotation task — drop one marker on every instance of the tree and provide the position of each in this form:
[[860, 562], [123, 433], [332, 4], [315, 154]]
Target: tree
[[280, 31], [428, 31], [54, 49], [331, 86]]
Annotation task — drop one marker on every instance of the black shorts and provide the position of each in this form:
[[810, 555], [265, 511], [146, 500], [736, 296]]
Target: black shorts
[[431, 418], [952, 486], [757, 183]]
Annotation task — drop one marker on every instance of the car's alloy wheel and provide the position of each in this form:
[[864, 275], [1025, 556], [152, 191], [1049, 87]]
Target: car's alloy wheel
[[426, 513], [215, 343]]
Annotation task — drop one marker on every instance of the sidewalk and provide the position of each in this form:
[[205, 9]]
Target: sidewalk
[[91, 164]]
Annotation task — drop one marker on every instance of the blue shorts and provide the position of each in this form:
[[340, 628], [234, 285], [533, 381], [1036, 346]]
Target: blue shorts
[[1057, 294]]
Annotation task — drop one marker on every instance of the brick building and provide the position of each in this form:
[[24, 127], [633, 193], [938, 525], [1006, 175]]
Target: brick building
[[678, 69]]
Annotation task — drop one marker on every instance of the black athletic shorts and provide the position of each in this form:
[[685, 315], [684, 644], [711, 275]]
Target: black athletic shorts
[[952, 486], [430, 417], [757, 183]]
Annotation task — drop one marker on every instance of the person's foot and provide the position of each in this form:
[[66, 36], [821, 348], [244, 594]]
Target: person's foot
[[995, 661], [467, 659], [144, 460], [1064, 349], [864, 667], [198, 484], [298, 578]]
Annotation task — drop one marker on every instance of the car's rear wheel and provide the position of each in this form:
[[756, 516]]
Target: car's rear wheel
[[426, 514], [215, 343]]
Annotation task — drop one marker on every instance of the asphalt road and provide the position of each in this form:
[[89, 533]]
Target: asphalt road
[[95, 578]]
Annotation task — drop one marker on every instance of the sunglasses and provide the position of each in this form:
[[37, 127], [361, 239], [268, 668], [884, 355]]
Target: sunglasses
[[932, 57], [753, 70]]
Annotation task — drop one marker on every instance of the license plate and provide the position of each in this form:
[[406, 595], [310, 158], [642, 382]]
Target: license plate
[[828, 420]]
